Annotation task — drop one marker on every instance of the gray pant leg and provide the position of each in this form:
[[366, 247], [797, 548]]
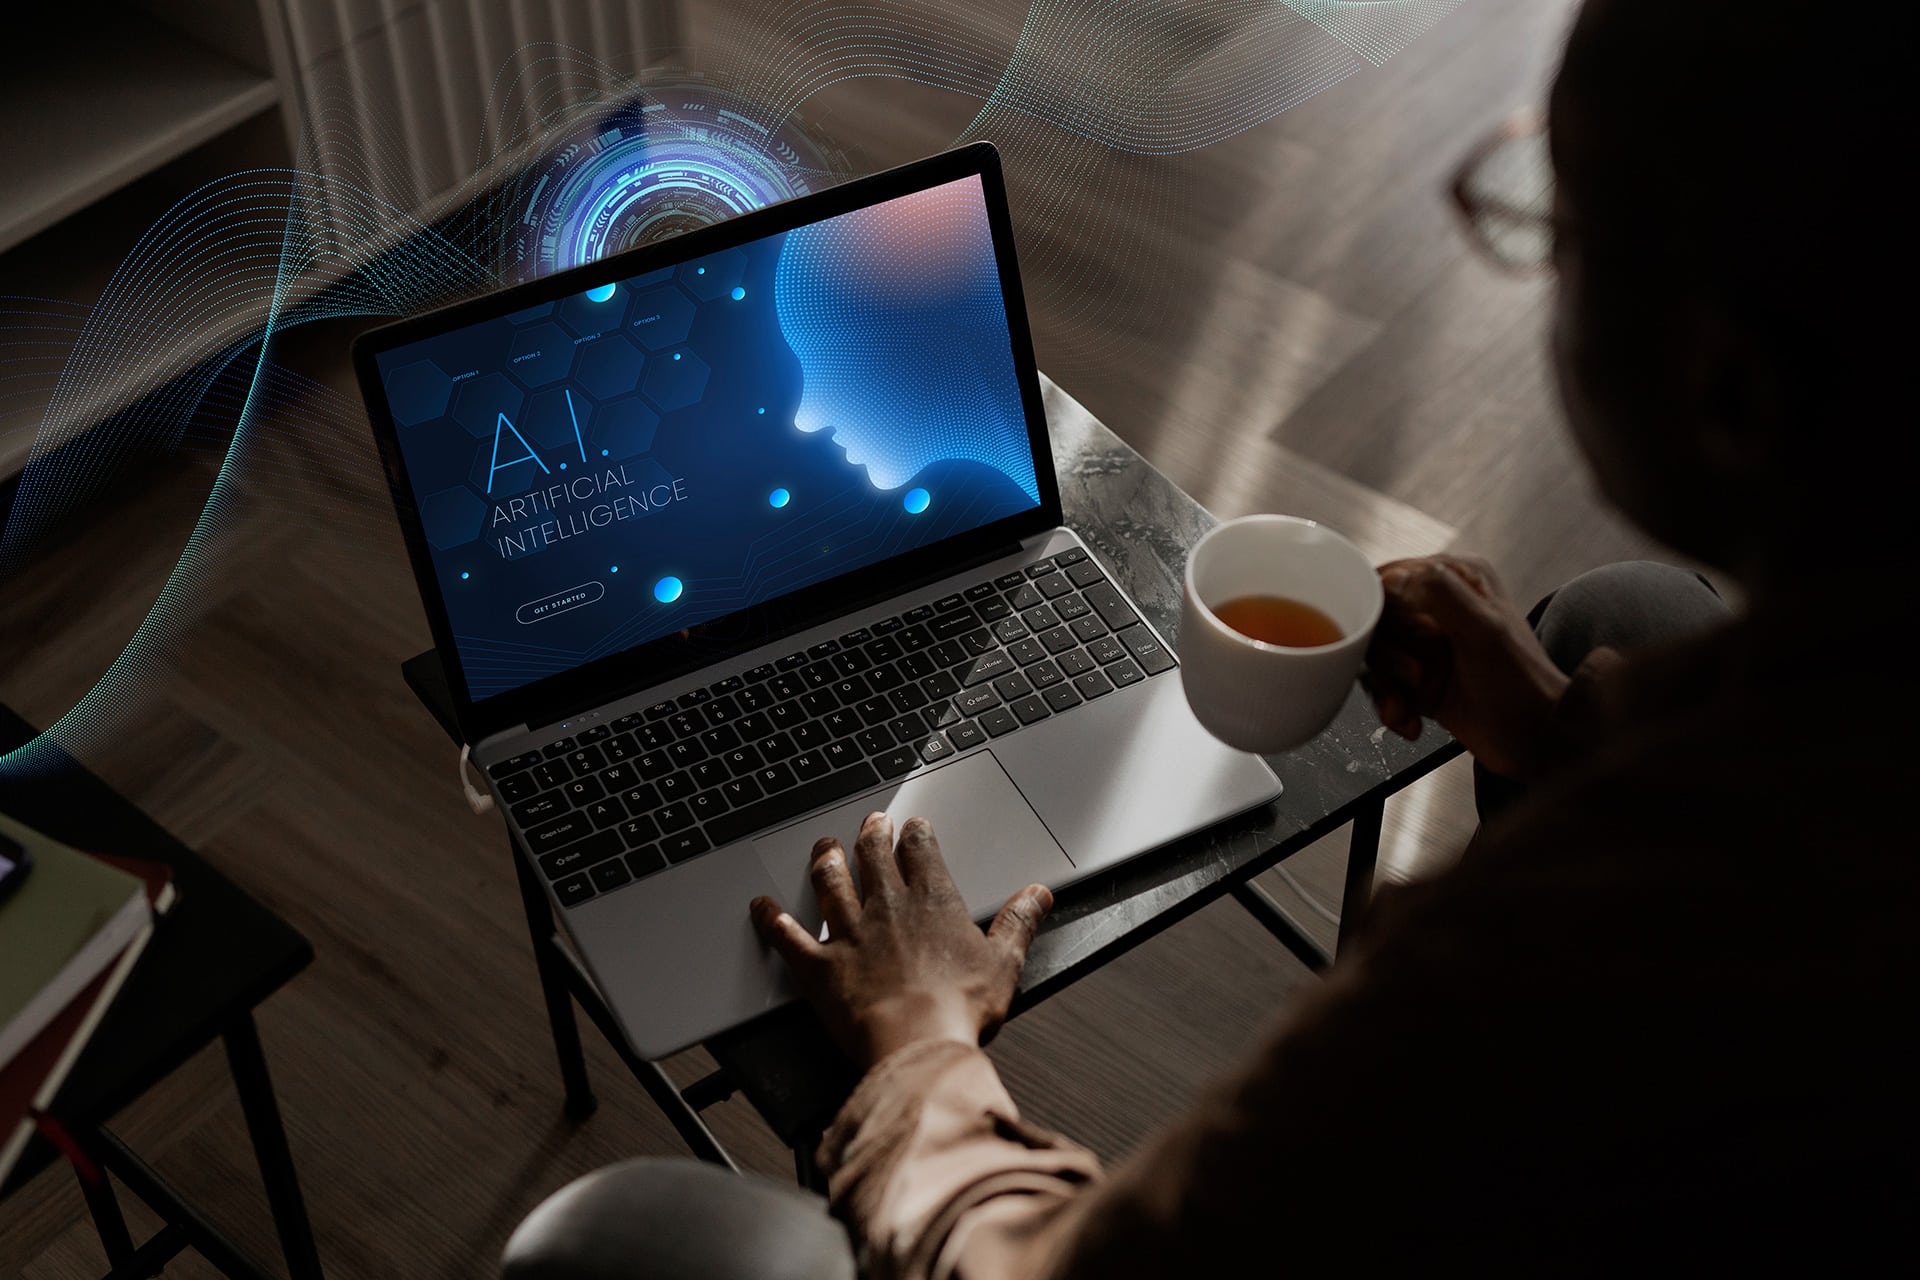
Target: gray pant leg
[[1628, 606], [674, 1219]]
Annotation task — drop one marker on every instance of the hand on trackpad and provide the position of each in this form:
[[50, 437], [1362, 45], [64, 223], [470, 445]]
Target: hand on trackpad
[[994, 843]]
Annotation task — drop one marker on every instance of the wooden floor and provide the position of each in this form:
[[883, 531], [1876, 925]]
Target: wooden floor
[[1285, 320]]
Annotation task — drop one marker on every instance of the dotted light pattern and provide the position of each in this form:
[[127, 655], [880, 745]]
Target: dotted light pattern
[[896, 315]]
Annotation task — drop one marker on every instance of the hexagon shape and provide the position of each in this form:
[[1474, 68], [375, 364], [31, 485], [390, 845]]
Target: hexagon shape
[[540, 354], [480, 401], [676, 381], [418, 391], [608, 367], [539, 311], [715, 276], [624, 428], [549, 420], [661, 318], [584, 316], [451, 517]]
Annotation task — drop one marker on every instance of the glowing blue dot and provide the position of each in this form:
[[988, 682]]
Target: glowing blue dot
[[464, 575], [563, 466], [676, 355], [613, 568], [600, 293], [603, 453], [779, 498], [667, 590], [917, 501], [699, 271], [738, 293], [762, 409]]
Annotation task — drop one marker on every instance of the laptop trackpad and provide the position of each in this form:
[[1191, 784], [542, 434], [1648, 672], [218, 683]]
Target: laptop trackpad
[[988, 834]]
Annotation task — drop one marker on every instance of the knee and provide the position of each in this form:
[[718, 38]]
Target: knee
[[652, 1219], [1629, 605]]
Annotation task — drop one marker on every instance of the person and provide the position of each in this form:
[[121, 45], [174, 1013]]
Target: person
[[1663, 1012]]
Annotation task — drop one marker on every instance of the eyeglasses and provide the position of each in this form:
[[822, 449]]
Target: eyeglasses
[[1504, 192]]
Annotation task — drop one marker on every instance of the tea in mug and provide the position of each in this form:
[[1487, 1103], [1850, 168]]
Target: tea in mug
[[1278, 620]]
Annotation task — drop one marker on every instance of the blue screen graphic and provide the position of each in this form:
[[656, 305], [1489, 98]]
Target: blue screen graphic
[[649, 456]]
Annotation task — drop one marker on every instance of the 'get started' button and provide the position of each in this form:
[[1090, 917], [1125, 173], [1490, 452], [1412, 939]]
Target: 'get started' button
[[559, 602]]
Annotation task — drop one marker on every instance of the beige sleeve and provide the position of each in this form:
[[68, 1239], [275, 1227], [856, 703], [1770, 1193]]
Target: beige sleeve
[[931, 1165]]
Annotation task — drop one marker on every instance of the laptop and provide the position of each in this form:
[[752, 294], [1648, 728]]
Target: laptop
[[730, 540]]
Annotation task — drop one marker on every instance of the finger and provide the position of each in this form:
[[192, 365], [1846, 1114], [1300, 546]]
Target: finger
[[833, 887], [1013, 928], [873, 857], [783, 933], [1478, 571], [918, 853]]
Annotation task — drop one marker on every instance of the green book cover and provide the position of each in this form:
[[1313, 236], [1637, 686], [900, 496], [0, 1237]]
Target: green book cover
[[64, 924]]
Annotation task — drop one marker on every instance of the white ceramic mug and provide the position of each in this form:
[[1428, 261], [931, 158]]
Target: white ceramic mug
[[1266, 697]]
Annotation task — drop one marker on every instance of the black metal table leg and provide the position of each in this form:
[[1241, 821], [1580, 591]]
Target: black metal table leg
[[553, 988], [207, 1239], [1363, 853], [1274, 918], [107, 1218], [255, 1087]]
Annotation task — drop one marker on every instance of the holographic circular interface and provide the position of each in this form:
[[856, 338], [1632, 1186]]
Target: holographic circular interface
[[675, 158]]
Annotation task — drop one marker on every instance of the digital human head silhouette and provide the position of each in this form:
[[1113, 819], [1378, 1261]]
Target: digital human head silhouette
[[896, 316]]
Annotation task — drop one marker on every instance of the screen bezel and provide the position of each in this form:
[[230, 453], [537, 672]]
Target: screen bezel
[[604, 679]]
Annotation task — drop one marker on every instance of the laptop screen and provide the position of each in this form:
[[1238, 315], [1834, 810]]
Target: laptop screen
[[653, 454]]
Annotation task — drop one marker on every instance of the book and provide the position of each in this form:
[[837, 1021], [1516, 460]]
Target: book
[[69, 936]]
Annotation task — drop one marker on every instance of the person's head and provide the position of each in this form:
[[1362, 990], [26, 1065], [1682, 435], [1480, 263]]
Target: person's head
[[1734, 270]]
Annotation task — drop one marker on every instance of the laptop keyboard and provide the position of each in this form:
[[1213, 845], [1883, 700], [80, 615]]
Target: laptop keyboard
[[620, 801]]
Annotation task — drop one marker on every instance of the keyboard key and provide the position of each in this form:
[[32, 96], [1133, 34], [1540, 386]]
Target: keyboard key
[[1106, 649], [574, 890], [1030, 708], [965, 734], [841, 723], [918, 666], [653, 737], [905, 728], [619, 778], [940, 715], [810, 764], [551, 774], [587, 760], [605, 813], [520, 786], [641, 799], [947, 604], [948, 653], [1146, 649], [597, 733], [560, 748], [1008, 630], [787, 685], [885, 650], [971, 702], [819, 702], [1088, 628], [628, 722], [688, 723], [1106, 601], [915, 638], [851, 690], [693, 698], [1071, 607], [792, 662], [1071, 556], [886, 626], [1012, 686], [776, 746], [994, 610], [708, 805], [858, 636], [720, 739], [686, 754], [1062, 696], [654, 764], [850, 662], [755, 698], [940, 685], [660, 710], [788, 714], [1025, 598], [673, 817], [775, 777], [793, 802], [741, 791], [875, 711], [1008, 581], [610, 875], [985, 668], [759, 673], [949, 625], [907, 698], [688, 844], [811, 735], [1043, 674], [1092, 685], [583, 791], [1084, 573], [581, 855], [533, 812], [677, 786], [709, 773], [999, 721], [1124, 673], [1026, 652], [841, 755], [624, 747], [1054, 585], [980, 591], [1058, 640], [825, 649], [1042, 569], [1039, 618], [884, 677], [722, 710], [933, 748], [875, 740], [639, 830], [818, 675], [977, 642], [732, 684], [1075, 663], [892, 764], [645, 861], [919, 613], [757, 725]]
